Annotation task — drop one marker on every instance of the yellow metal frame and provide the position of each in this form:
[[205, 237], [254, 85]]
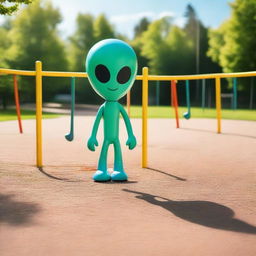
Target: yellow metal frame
[[145, 77], [218, 103], [144, 117], [39, 103]]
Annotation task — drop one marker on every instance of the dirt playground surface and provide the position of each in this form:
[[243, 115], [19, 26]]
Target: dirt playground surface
[[197, 198]]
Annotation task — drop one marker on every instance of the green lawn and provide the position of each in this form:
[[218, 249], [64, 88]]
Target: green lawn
[[153, 112], [168, 112], [10, 114]]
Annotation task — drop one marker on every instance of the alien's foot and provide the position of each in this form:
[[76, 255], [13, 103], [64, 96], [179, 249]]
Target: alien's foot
[[101, 176], [119, 176]]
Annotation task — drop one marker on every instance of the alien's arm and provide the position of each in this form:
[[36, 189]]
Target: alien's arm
[[92, 142], [131, 142]]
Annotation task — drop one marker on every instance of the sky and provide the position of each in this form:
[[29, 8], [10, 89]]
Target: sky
[[125, 14]]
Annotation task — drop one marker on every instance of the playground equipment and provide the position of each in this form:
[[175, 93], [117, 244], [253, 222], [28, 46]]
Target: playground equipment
[[17, 102], [234, 102], [232, 96], [111, 65], [70, 136], [187, 114], [157, 93], [203, 94], [145, 77], [174, 101]]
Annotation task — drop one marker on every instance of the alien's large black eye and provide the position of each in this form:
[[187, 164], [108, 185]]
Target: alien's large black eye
[[124, 75], [102, 73]]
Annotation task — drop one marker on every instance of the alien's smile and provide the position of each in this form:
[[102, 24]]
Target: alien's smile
[[114, 89]]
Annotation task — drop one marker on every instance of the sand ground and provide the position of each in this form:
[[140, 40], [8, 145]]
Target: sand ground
[[197, 198]]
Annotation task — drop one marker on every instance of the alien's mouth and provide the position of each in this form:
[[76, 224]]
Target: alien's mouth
[[112, 89]]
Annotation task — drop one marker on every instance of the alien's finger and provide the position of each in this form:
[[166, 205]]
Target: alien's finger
[[96, 143], [133, 145], [91, 147]]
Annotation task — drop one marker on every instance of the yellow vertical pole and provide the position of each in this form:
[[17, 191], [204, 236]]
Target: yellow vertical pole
[[39, 161], [128, 103], [218, 103], [144, 117]]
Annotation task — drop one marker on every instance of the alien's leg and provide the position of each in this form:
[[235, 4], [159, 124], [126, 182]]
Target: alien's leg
[[118, 174], [102, 174]]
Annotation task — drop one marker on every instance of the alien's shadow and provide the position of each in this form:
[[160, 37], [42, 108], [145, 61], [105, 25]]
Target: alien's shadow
[[15, 212], [204, 213]]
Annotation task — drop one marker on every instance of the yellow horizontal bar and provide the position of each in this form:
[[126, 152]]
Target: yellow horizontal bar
[[17, 72], [64, 74], [138, 77], [201, 76]]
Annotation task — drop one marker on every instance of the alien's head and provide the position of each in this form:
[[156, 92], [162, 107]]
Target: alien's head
[[111, 66]]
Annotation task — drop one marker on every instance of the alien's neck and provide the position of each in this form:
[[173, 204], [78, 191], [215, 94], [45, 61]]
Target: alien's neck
[[111, 100]]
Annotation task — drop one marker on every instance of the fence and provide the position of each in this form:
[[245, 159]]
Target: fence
[[145, 77]]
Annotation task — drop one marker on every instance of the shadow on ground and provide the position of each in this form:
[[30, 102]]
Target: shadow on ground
[[166, 173], [223, 133], [15, 212], [41, 169], [204, 213]]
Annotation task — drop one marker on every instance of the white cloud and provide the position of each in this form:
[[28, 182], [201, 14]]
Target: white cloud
[[125, 23], [135, 17], [180, 21], [123, 18], [165, 14]]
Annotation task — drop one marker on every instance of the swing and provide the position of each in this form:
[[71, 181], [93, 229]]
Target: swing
[[187, 114], [70, 136]]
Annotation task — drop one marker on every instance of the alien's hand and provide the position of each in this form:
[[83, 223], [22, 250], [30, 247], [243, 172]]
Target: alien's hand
[[92, 142], [131, 142]]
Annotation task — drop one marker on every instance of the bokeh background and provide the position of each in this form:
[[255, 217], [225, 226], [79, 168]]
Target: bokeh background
[[170, 37]]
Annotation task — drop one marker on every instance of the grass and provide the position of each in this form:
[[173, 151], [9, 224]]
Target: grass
[[10, 114], [168, 112], [153, 112]]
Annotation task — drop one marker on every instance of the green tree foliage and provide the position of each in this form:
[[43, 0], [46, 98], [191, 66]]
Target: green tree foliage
[[81, 41], [141, 27], [102, 28], [5, 81], [232, 45], [8, 7], [137, 44], [191, 26], [34, 36], [167, 48], [89, 30], [4, 44]]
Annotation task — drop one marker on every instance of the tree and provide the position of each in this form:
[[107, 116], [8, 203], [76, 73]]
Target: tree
[[167, 47], [232, 45], [154, 45], [81, 41], [192, 29], [168, 50], [34, 36], [5, 81], [7, 9], [191, 25], [141, 27], [89, 30], [102, 28]]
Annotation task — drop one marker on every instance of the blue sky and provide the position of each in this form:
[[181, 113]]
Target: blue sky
[[124, 14]]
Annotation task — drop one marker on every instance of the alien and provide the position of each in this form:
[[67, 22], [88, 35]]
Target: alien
[[111, 66]]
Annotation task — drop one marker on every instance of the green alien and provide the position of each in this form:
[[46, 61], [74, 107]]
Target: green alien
[[111, 66]]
